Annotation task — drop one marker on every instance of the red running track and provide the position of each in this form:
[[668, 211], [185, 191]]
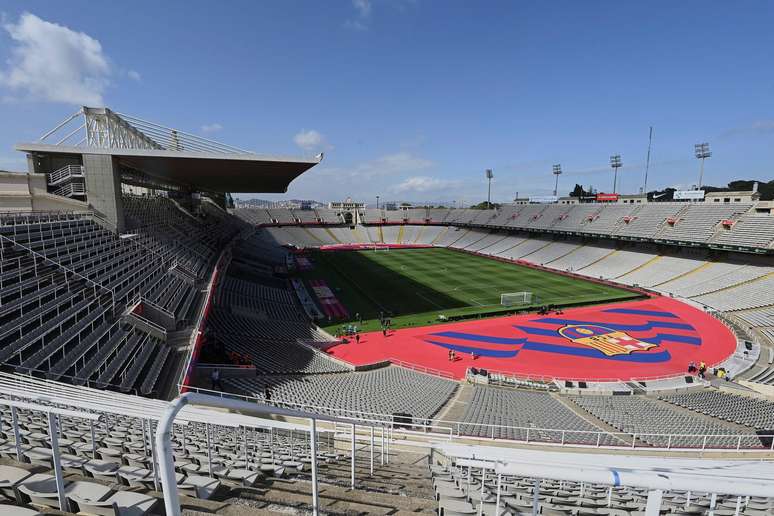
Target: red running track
[[642, 339]]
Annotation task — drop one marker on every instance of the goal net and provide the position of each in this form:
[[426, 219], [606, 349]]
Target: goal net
[[516, 298], [381, 249]]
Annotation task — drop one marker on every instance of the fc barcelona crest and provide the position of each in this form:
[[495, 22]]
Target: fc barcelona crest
[[610, 342]]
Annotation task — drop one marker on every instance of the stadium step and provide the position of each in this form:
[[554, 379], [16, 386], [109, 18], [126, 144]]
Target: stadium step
[[460, 237], [692, 271], [436, 239], [455, 408], [611, 253], [312, 235], [636, 388], [419, 235], [526, 256], [400, 233], [564, 255], [586, 416], [359, 236], [747, 282], [640, 267], [330, 233]]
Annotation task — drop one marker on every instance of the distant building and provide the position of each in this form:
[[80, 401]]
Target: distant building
[[718, 197], [348, 205], [632, 199]]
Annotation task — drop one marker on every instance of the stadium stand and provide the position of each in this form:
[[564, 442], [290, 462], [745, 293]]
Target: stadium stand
[[464, 488], [659, 424], [751, 412], [377, 394], [698, 222], [524, 416], [73, 279], [648, 220], [662, 270], [583, 256], [617, 263], [176, 288]]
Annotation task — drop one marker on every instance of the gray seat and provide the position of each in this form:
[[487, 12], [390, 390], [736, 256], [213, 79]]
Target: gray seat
[[120, 503], [10, 478], [198, 486]]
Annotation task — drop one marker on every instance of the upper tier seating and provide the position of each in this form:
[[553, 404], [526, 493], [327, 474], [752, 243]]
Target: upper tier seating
[[748, 230], [66, 282], [648, 219], [698, 222], [722, 224], [253, 215]]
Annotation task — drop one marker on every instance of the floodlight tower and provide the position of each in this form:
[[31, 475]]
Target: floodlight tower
[[377, 202], [702, 151], [489, 177], [557, 173], [615, 162]]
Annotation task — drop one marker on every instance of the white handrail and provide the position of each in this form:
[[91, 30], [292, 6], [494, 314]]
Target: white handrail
[[163, 439], [533, 434]]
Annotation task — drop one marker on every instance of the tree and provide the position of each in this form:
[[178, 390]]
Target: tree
[[578, 191], [485, 206]]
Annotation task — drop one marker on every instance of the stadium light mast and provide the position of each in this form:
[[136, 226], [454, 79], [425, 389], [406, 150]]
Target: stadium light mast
[[489, 177], [615, 163], [702, 151], [377, 202], [557, 173]]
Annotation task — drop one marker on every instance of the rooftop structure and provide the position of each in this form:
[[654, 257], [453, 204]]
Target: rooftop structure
[[89, 154]]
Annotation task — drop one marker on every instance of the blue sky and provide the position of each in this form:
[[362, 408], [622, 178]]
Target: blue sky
[[414, 99]]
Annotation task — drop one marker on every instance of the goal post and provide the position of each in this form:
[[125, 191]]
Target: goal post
[[516, 298]]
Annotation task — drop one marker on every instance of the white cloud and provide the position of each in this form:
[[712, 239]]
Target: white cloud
[[756, 128], [363, 15], [211, 128], [361, 180], [363, 7], [311, 140], [53, 63], [134, 75], [388, 166], [420, 184]]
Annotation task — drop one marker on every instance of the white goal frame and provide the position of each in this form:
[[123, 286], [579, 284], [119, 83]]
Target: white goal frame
[[516, 298]]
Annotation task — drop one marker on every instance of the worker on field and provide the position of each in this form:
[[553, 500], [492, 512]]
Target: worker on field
[[215, 379]]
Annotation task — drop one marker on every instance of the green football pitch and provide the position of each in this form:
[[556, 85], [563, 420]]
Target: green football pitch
[[416, 286]]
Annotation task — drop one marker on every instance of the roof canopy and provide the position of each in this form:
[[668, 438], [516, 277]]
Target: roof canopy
[[169, 155]]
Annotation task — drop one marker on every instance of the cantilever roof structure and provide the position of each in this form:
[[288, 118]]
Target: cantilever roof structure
[[169, 155]]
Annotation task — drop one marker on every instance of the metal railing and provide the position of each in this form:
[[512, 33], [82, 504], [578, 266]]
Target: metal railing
[[70, 190], [421, 368], [65, 173], [67, 270], [537, 435]]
